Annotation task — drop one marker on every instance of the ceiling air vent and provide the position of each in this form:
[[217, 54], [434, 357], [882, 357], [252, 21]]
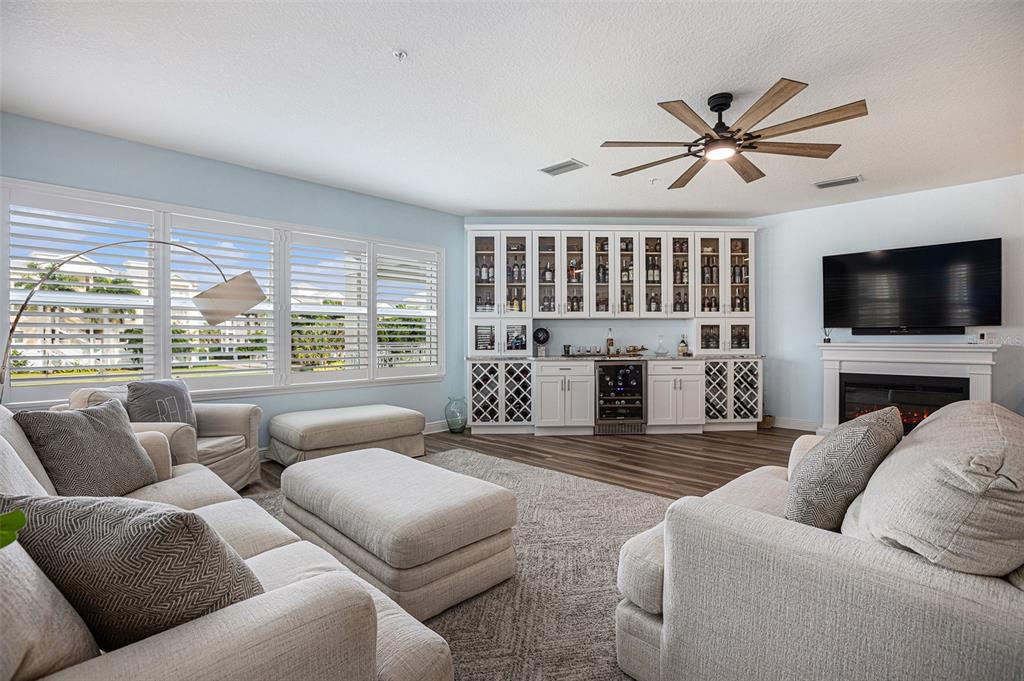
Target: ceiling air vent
[[563, 167], [838, 182]]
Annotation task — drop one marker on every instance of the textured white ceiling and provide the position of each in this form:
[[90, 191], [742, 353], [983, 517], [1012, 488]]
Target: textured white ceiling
[[491, 92]]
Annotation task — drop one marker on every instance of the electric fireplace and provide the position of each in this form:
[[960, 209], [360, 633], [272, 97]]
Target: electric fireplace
[[915, 396]]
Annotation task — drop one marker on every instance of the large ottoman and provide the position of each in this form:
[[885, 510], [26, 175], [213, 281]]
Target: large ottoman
[[425, 536], [302, 435]]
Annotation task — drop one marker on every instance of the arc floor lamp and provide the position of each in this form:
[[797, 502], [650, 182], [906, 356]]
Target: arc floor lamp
[[217, 304]]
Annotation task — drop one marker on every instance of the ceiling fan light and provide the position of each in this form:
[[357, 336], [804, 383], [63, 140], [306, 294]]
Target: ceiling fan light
[[719, 150]]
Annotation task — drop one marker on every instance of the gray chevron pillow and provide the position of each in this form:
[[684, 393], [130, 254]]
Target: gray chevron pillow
[[131, 568], [837, 469]]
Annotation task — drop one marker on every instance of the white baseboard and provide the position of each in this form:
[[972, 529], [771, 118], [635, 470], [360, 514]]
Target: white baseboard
[[796, 424], [435, 427]]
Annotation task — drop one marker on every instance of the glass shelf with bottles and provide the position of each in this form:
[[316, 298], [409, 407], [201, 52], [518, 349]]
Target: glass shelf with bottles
[[680, 274], [546, 258], [652, 282], [517, 276], [484, 273], [710, 274], [739, 274], [627, 259], [602, 290], [574, 302]]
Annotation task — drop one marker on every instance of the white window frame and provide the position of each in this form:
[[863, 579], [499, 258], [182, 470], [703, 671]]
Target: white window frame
[[283, 381]]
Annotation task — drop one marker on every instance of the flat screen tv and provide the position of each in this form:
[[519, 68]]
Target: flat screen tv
[[936, 289]]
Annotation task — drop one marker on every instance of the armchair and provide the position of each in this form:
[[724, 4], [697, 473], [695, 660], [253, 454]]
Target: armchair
[[226, 440]]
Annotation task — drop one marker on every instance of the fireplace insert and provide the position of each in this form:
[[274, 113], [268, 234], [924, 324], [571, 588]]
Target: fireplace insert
[[915, 396]]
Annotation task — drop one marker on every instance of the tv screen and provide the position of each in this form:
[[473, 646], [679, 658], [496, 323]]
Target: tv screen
[[945, 286]]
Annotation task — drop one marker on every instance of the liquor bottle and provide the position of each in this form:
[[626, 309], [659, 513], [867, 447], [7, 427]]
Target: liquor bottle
[[609, 341], [714, 273], [677, 304], [477, 271], [745, 304], [677, 274], [630, 272], [714, 302], [706, 274], [657, 271], [744, 273], [479, 304]]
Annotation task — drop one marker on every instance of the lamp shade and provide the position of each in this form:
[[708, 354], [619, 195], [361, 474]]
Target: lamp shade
[[227, 300]]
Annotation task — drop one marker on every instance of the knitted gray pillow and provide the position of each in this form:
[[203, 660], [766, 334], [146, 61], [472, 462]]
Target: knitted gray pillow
[[89, 452], [165, 400], [131, 568], [837, 469]]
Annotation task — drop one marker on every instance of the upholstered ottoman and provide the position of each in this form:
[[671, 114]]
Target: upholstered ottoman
[[302, 435], [425, 536]]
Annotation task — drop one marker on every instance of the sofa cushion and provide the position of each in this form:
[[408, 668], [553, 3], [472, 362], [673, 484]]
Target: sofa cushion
[[831, 475], [162, 400], [210, 449], [401, 510], [15, 477], [131, 569], [42, 633], [762, 489], [1017, 578], [191, 486], [641, 575], [89, 452], [953, 491], [15, 436], [406, 649], [323, 428], [246, 527], [90, 397]]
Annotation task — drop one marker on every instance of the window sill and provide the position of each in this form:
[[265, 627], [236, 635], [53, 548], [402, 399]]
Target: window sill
[[217, 394]]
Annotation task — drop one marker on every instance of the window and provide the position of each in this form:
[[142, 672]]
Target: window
[[93, 320], [406, 288], [239, 351], [339, 309], [329, 290]]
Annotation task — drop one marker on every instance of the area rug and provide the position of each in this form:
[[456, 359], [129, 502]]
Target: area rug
[[555, 619]]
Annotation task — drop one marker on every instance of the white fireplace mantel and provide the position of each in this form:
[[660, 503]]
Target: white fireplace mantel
[[973, 362]]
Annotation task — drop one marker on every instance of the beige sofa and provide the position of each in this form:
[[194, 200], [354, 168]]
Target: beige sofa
[[316, 620], [727, 588], [226, 440]]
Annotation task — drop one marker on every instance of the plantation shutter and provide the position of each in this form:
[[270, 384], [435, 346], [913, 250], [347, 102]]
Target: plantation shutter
[[329, 314], [94, 320], [240, 351], [406, 290]]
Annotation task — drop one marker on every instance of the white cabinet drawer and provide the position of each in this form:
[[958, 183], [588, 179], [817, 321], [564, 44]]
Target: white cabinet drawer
[[565, 369], [675, 368]]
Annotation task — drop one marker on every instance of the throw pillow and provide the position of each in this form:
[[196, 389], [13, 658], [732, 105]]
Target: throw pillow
[[131, 568], [15, 477], [837, 469], [953, 491], [42, 633], [89, 452], [160, 401]]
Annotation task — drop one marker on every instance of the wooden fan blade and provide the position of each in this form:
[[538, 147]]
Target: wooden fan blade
[[689, 117], [683, 179], [810, 150], [645, 166], [836, 115], [744, 168], [644, 144], [777, 95]]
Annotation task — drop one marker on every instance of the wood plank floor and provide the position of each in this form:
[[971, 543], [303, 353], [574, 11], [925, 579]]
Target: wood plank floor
[[668, 465]]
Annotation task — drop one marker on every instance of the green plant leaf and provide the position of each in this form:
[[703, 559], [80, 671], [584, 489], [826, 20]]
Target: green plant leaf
[[10, 523]]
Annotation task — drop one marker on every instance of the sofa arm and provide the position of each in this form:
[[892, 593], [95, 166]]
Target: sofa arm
[[753, 596], [319, 629], [159, 451], [229, 419], [180, 436], [803, 444]]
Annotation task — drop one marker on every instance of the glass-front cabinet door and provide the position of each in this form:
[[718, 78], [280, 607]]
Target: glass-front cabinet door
[[710, 275], [739, 336], [576, 274], [545, 273], [679, 291], [710, 336], [516, 337], [484, 261], [515, 252], [740, 275], [654, 247], [484, 338], [627, 253], [602, 294]]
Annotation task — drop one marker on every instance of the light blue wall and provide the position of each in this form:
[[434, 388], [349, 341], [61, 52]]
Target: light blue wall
[[35, 150], [789, 279]]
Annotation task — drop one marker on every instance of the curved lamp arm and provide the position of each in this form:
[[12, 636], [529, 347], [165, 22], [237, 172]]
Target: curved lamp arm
[[59, 264]]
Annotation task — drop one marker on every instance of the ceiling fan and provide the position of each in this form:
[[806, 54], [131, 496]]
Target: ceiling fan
[[730, 143]]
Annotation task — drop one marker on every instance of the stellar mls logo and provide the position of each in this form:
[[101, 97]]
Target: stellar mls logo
[[998, 339]]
